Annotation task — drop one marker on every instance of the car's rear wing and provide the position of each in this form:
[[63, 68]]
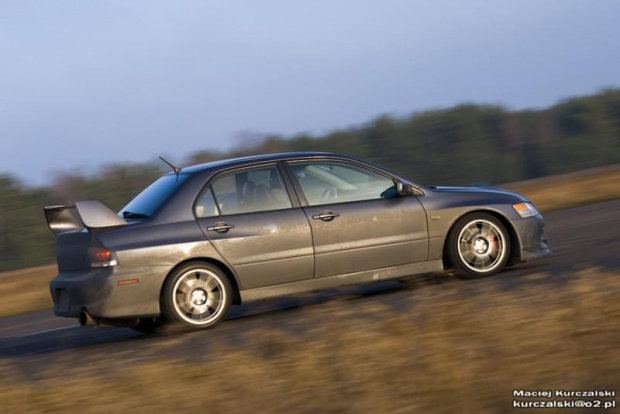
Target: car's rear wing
[[89, 215]]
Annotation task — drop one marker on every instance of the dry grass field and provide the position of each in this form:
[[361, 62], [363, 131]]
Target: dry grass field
[[457, 347], [27, 290], [571, 190]]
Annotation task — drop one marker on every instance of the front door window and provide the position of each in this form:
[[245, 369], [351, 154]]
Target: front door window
[[332, 182]]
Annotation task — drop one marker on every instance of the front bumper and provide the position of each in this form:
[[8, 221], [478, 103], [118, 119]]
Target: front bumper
[[98, 292], [528, 255], [532, 238]]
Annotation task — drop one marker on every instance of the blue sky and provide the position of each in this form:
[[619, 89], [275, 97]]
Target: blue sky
[[87, 83]]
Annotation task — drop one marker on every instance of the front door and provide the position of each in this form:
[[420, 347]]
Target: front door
[[358, 223], [249, 218]]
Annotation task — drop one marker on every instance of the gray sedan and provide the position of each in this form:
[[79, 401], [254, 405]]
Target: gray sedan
[[206, 237]]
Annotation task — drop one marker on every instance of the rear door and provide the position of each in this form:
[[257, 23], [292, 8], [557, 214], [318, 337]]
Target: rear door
[[358, 223], [251, 220]]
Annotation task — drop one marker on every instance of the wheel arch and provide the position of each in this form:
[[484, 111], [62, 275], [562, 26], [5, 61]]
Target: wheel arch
[[515, 243], [236, 300]]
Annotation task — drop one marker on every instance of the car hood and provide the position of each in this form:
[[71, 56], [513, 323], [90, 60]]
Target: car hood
[[478, 191]]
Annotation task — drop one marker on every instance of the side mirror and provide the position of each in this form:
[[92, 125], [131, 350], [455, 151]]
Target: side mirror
[[403, 189]]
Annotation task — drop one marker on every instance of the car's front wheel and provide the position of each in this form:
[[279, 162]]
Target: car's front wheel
[[197, 295], [478, 245]]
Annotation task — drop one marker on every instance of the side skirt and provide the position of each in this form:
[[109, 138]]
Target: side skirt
[[332, 282]]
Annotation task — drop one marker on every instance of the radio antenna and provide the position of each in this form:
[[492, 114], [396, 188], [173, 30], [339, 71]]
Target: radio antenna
[[176, 170]]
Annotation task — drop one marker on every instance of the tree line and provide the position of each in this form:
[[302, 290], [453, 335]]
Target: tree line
[[461, 145]]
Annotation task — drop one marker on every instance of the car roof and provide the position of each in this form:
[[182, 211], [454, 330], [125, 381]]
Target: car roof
[[231, 162]]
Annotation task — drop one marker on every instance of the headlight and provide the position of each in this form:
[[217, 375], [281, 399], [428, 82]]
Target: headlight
[[525, 210]]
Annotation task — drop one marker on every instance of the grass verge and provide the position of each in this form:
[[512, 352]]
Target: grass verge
[[456, 347], [571, 190], [26, 290]]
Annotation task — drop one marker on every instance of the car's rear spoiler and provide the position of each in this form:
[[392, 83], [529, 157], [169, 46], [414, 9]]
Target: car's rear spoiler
[[83, 215]]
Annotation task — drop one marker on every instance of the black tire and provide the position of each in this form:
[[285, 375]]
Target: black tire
[[478, 245], [197, 295]]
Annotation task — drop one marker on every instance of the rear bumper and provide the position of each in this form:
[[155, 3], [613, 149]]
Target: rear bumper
[[532, 238], [104, 292]]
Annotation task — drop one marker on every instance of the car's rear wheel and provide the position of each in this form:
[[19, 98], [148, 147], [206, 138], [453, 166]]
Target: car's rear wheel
[[197, 295], [478, 245]]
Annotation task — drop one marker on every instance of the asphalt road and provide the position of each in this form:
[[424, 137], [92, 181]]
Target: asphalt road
[[580, 238]]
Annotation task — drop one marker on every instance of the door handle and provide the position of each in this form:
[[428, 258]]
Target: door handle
[[326, 216], [220, 227]]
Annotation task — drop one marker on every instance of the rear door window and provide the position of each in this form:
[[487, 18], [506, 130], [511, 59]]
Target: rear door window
[[247, 191]]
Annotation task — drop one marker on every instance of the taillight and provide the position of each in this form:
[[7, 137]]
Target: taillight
[[99, 257]]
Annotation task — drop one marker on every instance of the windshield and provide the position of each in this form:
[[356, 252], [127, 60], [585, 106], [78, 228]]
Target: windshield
[[152, 197]]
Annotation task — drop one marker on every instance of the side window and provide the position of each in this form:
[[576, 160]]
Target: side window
[[205, 206], [327, 183], [260, 189]]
